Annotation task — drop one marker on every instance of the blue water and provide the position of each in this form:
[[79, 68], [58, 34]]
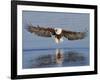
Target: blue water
[[55, 57]]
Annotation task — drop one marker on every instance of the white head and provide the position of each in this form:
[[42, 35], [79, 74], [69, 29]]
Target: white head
[[58, 30]]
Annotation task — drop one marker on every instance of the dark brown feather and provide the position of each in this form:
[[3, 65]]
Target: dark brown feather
[[40, 31], [73, 35]]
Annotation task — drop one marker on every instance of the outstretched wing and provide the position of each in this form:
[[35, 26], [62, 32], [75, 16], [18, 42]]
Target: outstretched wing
[[40, 31], [73, 35]]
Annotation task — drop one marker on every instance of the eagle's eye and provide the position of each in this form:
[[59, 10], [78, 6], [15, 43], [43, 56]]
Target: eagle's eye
[[56, 30]]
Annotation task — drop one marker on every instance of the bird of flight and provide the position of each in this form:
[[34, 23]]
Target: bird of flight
[[56, 33]]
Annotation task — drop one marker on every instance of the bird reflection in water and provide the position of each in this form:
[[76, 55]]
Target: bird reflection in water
[[60, 59]]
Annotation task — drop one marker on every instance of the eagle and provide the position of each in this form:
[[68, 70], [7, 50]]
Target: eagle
[[57, 33]]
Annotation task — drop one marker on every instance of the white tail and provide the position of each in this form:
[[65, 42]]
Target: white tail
[[57, 40]]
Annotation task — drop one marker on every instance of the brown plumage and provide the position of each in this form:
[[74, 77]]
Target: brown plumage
[[56, 32], [74, 35], [40, 31]]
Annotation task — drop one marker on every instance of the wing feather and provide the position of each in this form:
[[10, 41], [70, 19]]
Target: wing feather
[[40, 31], [73, 35]]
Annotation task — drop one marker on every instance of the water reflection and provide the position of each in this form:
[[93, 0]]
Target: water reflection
[[60, 58]]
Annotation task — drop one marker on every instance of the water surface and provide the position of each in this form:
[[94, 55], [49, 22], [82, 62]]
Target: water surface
[[60, 57]]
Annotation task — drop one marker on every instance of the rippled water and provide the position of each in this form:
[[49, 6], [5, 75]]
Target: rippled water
[[64, 57]]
